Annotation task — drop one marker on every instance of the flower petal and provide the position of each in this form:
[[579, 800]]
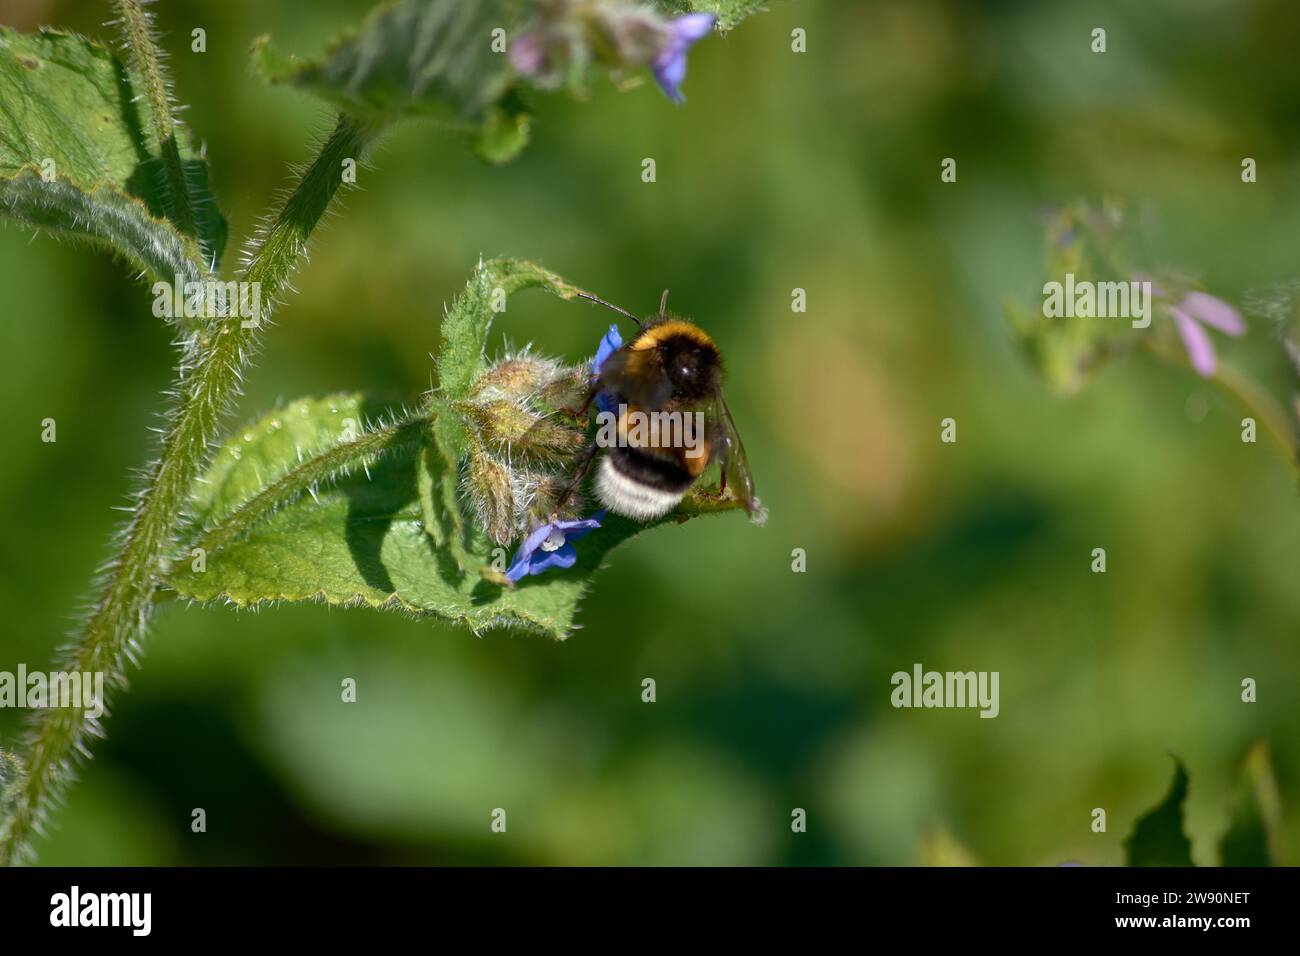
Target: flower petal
[[1213, 311], [1197, 342], [610, 343], [692, 26], [576, 529], [532, 558], [527, 54], [669, 66], [669, 72], [535, 539], [519, 569], [564, 556], [519, 565]]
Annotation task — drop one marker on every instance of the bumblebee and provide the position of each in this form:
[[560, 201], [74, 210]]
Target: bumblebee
[[670, 371]]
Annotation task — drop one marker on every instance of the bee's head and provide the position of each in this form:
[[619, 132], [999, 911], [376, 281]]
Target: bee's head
[[691, 365]]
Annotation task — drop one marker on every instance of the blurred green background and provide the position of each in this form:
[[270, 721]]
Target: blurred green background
[[819, 171]]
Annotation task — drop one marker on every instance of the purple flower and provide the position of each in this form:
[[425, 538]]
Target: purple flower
[[550, 546], [1196, 310], [669, 65], [528, 54], [610, 343]]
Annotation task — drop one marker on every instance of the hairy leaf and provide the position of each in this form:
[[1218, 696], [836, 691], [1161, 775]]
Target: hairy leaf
[[265, 451], [466, 325], [71, 109], [1158, 838], [103, 217], [431, 58], [437, 480], [1253, 837], [361, 540]]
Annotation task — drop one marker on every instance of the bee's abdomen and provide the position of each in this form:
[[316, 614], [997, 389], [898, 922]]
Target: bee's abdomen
[[639, 484]]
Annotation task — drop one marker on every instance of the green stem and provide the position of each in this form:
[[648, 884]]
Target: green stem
[[209, 379], [1266, 408], [138, 27], [1253, 397]]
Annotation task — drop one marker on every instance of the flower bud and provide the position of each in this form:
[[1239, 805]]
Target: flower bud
[[522, 432], [539, 496], [489, 488], [515, 376], [567, 391]]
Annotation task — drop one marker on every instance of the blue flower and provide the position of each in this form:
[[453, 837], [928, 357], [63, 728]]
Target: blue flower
[[669, 64], [550, 546], [609, 344]]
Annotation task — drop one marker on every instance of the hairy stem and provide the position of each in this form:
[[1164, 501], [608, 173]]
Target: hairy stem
[[138, 27], [210, 374]]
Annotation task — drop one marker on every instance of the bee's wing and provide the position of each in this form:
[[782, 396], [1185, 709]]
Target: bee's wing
[[733, 462]]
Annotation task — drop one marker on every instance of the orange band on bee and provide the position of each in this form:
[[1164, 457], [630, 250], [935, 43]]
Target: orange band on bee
[[695, 466], [655, 335], [693, 454]]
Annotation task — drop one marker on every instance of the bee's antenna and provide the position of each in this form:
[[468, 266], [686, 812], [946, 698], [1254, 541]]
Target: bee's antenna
[[663, 304], [609, 305]]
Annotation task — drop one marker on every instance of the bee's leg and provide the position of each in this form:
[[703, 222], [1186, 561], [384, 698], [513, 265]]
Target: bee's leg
[[592, 392], [720, 494], [588, 457]]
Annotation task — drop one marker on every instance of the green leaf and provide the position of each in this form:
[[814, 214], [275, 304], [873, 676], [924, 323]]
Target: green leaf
[[105, 218], [430, 58], [69, 107], [1158, 838], [466, 325], [505, 132], [1254, 835], [265, 451], [729, 12], [362, 540], [437, 480]]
